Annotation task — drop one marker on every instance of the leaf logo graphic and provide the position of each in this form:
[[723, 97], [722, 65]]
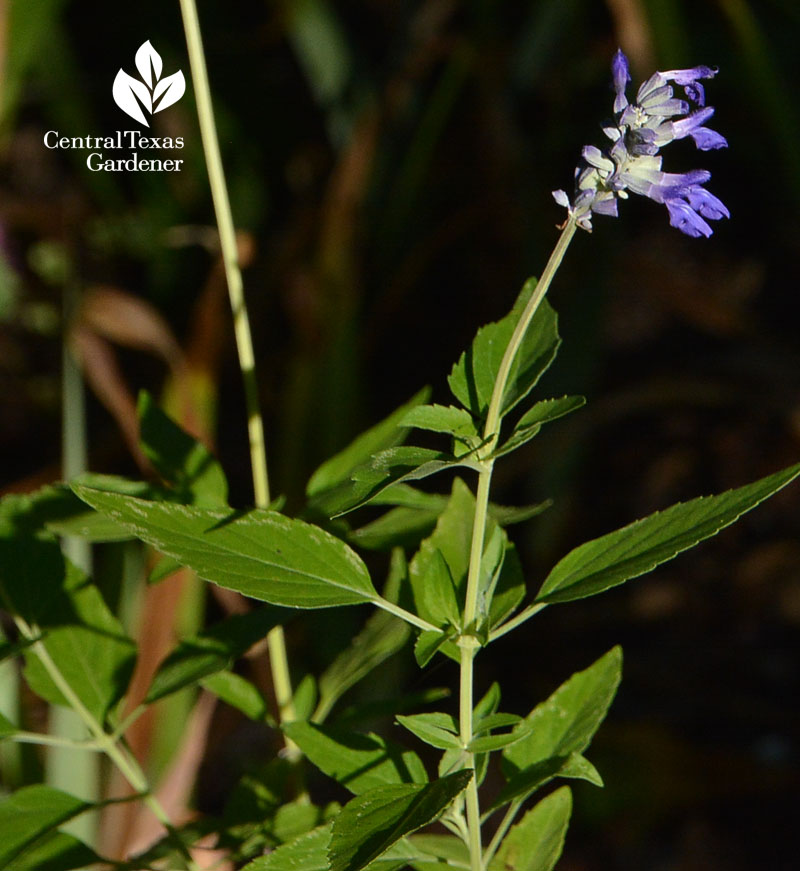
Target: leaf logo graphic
[[152, 93]]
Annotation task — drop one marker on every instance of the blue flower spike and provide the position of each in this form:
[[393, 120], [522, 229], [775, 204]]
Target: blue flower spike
[[638, 132]]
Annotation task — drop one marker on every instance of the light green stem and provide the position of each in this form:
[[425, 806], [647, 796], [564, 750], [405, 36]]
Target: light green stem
[[118, 754], [491, 433], [504, 826], [276, 643]]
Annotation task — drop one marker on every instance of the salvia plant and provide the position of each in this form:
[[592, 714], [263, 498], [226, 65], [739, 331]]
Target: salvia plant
[[454, 585]]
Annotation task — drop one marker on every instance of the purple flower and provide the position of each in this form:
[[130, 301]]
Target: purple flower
[[638, 132]]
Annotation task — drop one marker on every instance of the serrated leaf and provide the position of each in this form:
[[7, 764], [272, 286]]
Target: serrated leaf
[[372, 822], [473, 377], [357, 761], [382, 636], [30, 816], [531, 422], [308, 852], [434, 589], [535, 843], [438, 730], [400, 527], [212, 651], [79, 632], [566, 721], [493, 721], [179, 458], [487, 743], [386, 469], [427, 645], [527, 781], [390, 707], [560, 729], [442, 418], [388, 433], [260, 553], [639, 547], [239, 693]]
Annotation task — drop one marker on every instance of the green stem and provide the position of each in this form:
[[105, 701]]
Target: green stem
[[468, 646], [468, 641], [514, 622], [54, 741], [276, 643], [504, 826], [386, 605], [120, 756]]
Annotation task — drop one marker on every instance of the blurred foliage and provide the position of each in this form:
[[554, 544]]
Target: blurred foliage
[[390, 166]]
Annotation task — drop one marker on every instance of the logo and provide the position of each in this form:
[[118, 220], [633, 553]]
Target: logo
[[152, 93]]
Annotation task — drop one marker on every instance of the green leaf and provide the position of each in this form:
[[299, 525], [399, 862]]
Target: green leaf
[[57, 509], [438, 730], [389, 432], [527, 781], [239, 693], [531, 422], [636, 549], [559, 729], [536, 842], [212, 651], [30, 816], [260, 553], [7, 728], [55, 851], [359, 762], [179, 458], [428, 644], [442, 418], [382, 636], [165, 567], [308, 852], [370, 823], [400, 527], [434, 590], [390, 707], [566, 721], [473, 377], [305, 697], [79, 632], [385, 470]]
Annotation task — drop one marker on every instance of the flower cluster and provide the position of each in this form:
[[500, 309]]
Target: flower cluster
[[632, 163]]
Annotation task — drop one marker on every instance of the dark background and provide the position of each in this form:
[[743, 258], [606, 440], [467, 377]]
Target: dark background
[[390, 166]]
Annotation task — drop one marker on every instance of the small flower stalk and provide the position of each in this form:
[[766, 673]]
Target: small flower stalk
[[633, 163]]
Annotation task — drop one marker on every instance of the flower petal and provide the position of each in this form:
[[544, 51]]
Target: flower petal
[[684, 217]]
